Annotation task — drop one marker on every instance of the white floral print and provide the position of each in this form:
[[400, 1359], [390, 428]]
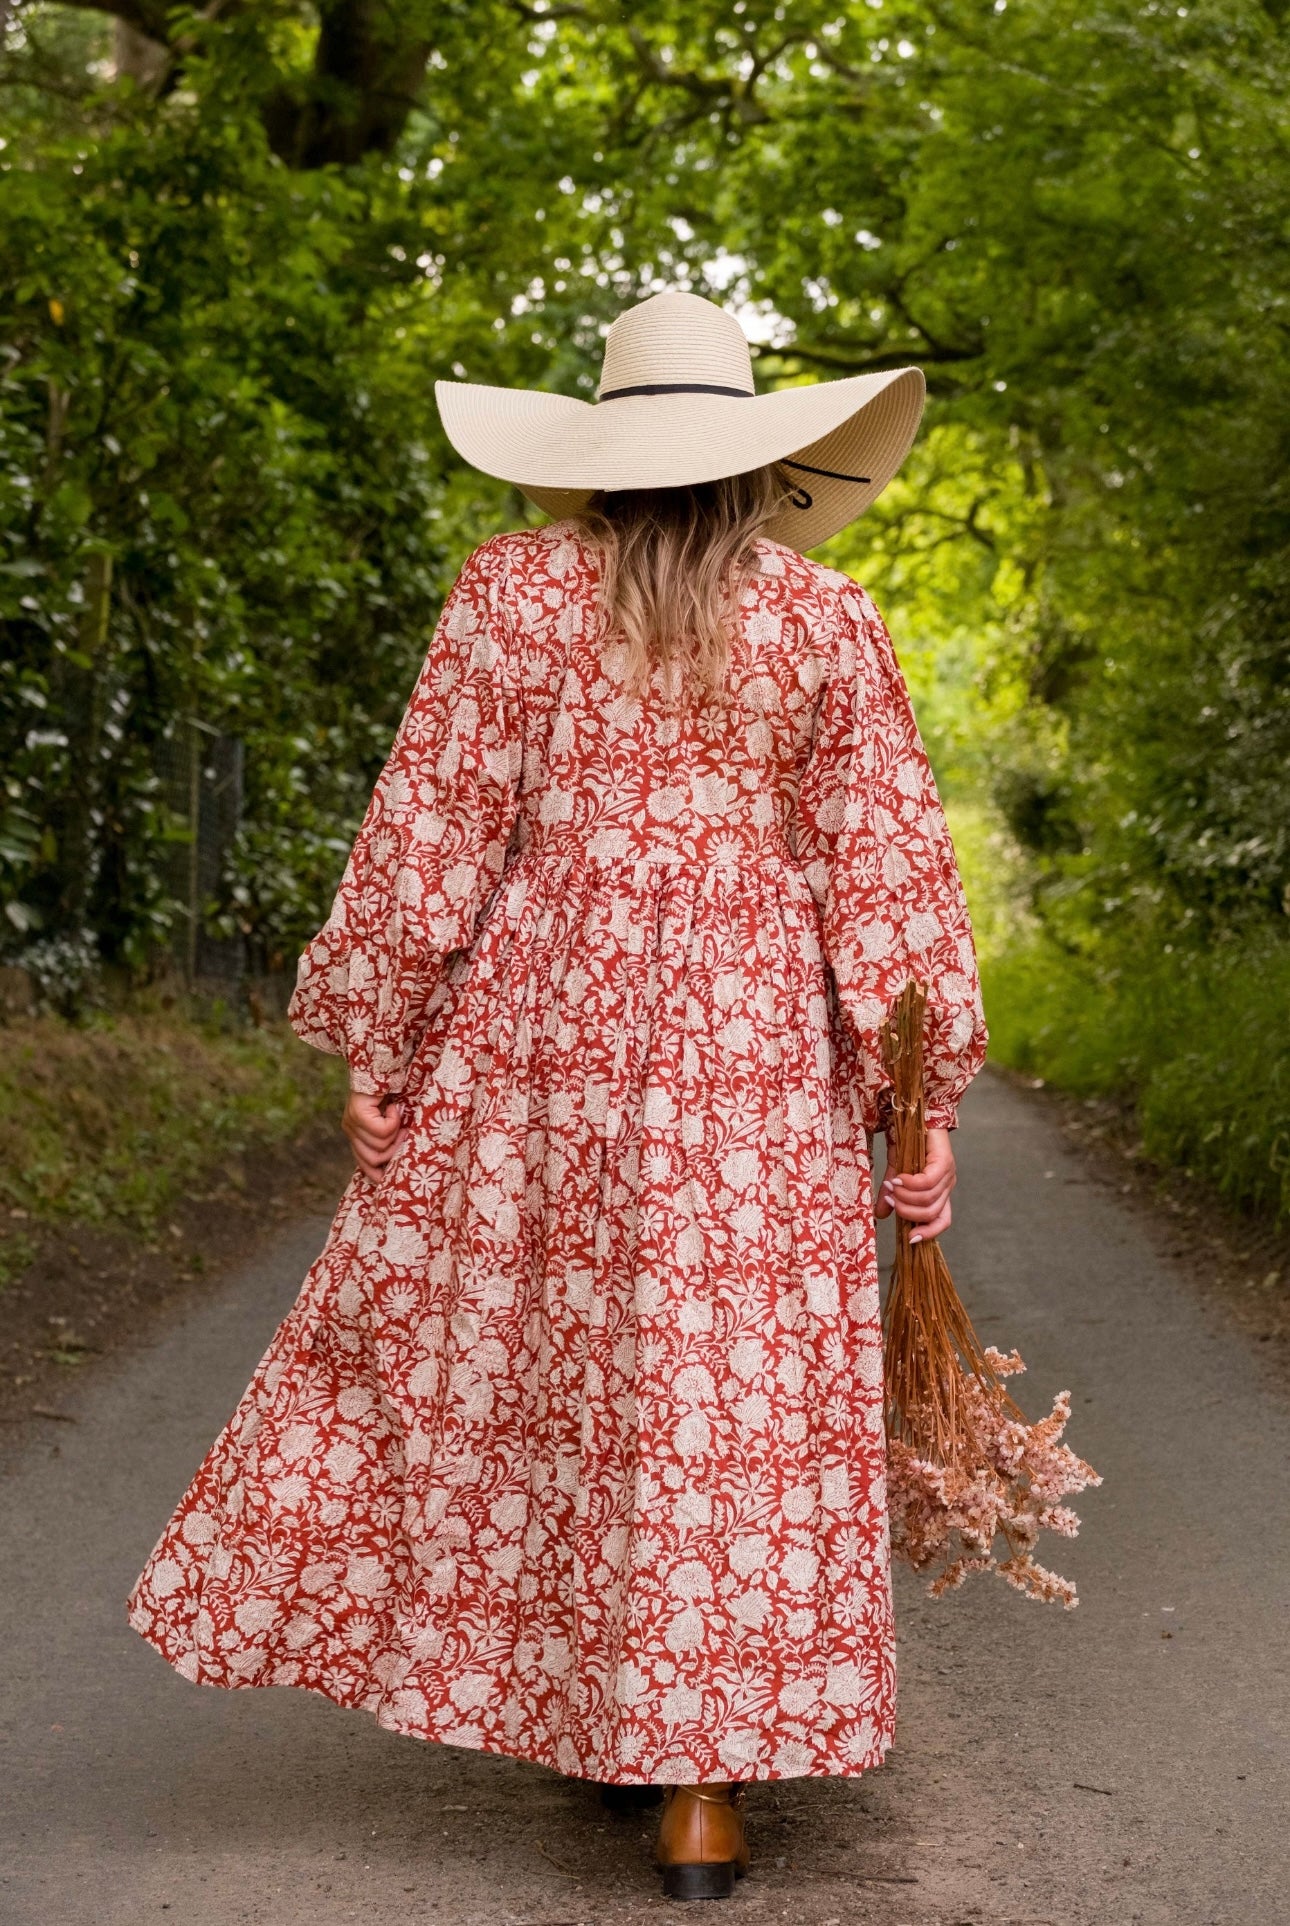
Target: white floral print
[[572, 1446]]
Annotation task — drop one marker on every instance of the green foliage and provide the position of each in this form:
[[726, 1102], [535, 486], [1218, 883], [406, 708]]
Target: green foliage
[[227, 285], [223, 489], [1192, 1039], [17, 1251]]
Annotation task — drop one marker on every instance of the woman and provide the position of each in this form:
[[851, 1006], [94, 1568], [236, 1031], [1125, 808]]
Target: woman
[[572, 1445]]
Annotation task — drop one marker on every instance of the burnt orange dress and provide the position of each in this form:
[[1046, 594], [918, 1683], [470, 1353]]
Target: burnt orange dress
[[572, 1445]]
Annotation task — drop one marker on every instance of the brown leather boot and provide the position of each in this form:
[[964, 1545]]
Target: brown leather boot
[[701, 1844]]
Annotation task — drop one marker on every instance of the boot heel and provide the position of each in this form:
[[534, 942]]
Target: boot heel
[[699, 1882]]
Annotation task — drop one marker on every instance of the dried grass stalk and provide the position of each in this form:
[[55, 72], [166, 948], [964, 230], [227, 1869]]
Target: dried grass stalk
[[964, 1466]]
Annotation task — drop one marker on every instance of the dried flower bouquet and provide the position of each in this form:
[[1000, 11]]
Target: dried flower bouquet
[[964, 1466]]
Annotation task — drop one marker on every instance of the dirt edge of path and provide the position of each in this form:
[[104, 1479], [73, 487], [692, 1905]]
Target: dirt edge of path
[[89, 1289], [1239, 1263]]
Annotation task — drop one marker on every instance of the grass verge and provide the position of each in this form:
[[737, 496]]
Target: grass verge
[[1195, 1042], [111, 1120]]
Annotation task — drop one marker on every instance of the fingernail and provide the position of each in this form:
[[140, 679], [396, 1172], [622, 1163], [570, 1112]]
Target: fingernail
[[917, 1238]]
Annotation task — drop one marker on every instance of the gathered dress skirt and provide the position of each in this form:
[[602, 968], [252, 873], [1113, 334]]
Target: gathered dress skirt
[[571, 1447]]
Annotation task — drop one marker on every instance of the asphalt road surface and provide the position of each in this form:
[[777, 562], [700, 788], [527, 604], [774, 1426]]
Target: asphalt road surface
[[1124, 1762]]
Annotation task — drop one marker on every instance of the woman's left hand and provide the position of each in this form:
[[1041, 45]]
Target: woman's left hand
[[922, 1197]]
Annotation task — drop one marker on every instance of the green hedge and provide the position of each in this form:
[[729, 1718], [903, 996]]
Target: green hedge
[[1195, 1041]]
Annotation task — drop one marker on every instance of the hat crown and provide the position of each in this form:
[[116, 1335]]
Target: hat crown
[[676, 340]]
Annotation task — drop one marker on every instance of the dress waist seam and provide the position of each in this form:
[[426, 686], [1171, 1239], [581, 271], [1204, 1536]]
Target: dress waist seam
[[558, 849]]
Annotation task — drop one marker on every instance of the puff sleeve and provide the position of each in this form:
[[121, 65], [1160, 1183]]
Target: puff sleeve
[[431, 848], [872, 839]]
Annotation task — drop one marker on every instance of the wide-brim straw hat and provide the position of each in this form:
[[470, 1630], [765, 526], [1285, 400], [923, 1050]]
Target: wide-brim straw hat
[[677, 405]]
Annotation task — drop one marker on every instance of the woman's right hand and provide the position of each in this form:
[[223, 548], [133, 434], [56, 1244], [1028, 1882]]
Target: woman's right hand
[[374, 1126]]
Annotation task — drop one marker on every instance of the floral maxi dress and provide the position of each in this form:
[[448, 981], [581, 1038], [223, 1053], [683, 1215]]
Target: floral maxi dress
[[571, 1447]]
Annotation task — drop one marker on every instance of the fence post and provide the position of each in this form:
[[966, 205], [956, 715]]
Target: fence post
[[193, 890], [201, 775]]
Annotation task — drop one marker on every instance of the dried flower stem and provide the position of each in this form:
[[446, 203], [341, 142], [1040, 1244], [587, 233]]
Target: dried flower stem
[[929, 1343], [964, 1465]]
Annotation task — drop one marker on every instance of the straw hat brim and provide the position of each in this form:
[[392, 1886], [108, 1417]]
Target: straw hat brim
[[560, 450]]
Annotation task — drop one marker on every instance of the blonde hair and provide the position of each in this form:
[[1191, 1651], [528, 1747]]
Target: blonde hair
[[674, 563]]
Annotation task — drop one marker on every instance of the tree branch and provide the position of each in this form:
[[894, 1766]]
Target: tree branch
[[940, 350], [536, 17], [856, 363], [368, 69], [366, 80], [147, 17], [724, 93]]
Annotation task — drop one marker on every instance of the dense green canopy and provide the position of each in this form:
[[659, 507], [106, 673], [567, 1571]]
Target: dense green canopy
[[237, 246]]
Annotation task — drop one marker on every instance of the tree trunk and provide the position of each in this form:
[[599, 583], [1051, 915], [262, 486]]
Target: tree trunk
[[137, 57], [369, 65], [366, 80]]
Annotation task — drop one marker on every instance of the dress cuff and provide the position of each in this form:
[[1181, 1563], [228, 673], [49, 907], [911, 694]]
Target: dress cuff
[[364, 1084], [941, 1116]]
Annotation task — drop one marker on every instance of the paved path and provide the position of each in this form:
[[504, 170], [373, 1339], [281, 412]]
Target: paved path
[[129, 1796]]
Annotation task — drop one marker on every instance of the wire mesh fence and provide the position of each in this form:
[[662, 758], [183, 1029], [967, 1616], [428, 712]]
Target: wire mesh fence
[[200, 770]]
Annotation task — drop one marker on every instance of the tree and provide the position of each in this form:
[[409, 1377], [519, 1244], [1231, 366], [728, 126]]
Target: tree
[[362, 83], [234, 279]]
